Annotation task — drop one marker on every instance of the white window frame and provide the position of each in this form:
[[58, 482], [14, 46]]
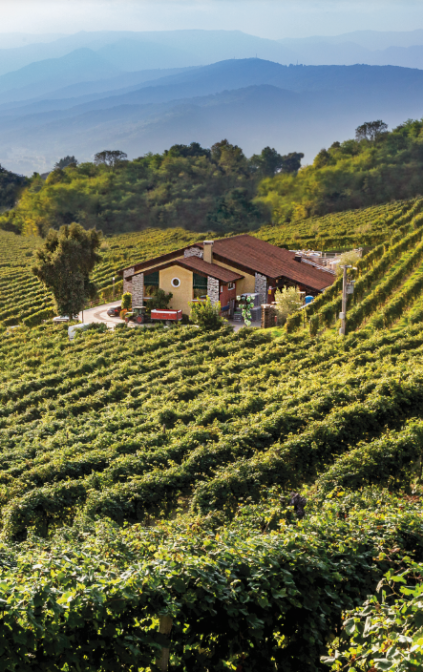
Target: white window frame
[[178, 282]]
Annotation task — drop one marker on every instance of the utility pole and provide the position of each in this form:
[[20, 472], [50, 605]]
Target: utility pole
[[347, 288]]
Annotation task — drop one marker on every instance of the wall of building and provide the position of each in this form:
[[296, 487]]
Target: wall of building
[[138, 290], [246, 284], [261, 287], [227, 294], [194, 252], [183, 294], [213, 289]]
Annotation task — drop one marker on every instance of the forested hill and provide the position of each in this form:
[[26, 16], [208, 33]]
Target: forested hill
[[10, 187], [198, 189], [377, 167], [221, 190]]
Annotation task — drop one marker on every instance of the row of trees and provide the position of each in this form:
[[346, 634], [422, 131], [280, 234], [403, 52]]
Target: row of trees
[[198, 188]]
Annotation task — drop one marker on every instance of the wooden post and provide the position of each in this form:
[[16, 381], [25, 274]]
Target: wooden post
[[165, 628], [343, 315]]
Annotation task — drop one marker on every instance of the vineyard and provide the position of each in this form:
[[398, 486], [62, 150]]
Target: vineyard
[[23, 299], [147, 478]]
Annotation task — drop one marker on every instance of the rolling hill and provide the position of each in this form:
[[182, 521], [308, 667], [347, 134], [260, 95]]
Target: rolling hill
[[148, 478]]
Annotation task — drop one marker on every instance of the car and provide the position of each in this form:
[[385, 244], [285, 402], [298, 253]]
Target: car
[[65, 318], [114, 311]]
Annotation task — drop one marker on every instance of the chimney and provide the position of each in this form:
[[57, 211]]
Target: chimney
[[208, 251]]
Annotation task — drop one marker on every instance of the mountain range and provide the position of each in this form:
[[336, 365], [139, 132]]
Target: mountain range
[[140, 92]]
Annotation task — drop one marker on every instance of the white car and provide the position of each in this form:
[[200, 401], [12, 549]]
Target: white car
[[65, 318]]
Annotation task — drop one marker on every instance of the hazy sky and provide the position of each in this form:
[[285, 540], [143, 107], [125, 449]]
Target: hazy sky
[[267, 18]]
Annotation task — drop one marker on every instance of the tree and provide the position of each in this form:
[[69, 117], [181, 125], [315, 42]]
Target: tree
[[193, 150], [292, 162], [110, 157], [66, 161], [64, 264], [268, 163], [371, 130]]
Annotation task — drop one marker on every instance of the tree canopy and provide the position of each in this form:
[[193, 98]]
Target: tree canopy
[[10, 186], [64, 264], [187, 186], [377, 167]]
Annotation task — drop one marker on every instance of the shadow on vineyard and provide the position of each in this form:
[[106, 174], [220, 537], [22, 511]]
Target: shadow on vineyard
[[147, 476]]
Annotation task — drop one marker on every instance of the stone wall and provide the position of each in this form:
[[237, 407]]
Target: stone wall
[[138, 290], [261, 287], [127, 285], [213, 289], [193, 252]]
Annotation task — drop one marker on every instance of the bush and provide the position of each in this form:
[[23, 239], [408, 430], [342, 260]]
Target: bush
[[206, 315], [159, 300], [288, 300], [350, 258], [126, 301]]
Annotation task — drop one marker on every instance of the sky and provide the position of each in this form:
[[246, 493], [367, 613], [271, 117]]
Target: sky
[[267, 18]]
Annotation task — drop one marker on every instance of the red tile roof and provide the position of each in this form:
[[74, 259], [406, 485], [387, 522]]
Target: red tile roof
[[200, 266], [252, 254]]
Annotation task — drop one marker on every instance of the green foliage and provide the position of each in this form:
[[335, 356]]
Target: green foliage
[[375, 168], [11, 186], [126, 301], [288, 300], [65, 263], [201, 188], [65, 162], [159, 300], [206, 315]]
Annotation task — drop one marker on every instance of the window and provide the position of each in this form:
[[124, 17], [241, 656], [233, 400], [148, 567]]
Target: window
[[231, 285], [175, 282]]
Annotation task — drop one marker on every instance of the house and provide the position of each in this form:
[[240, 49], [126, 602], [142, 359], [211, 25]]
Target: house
[[223, 269]]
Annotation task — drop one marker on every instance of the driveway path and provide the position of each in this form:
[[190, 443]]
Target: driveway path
[[99, 314]]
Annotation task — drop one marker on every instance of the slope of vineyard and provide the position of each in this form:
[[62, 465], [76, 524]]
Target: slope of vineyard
[[22, 298], [388, 284], [148, 472]]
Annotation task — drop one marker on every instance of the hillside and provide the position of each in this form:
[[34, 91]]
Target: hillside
[[376, 167], [149, 473]]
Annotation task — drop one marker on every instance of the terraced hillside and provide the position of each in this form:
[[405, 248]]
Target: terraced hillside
[[387, 291], [146, 480], [23, 299]]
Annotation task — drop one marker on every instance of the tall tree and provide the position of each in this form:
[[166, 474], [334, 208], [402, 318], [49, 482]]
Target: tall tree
[[64, 264], [110, 157], [371, 130], [66, 161]]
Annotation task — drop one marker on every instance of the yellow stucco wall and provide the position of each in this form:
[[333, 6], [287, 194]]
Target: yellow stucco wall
[[246, 284], [183, 294]]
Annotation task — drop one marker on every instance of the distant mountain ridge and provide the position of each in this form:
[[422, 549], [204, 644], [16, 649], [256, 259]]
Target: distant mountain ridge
[[251, 102]]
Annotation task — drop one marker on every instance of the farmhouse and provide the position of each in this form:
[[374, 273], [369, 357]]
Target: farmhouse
[[223, 269]]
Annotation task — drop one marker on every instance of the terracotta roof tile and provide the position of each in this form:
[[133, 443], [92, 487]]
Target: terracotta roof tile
[[261, 257], [215, 271]]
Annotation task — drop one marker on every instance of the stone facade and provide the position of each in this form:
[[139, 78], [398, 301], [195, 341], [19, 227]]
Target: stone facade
[[128, 272], [127, 285], [138, 290], [213, 289], [193, 252], [261, 287]]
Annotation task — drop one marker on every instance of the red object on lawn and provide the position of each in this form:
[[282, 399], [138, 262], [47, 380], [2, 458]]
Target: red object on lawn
[[166, 314]]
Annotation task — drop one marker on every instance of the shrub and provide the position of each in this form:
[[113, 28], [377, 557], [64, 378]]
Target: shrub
[[159, 300], [206, 315], [126, 301], [288, 300], [350, 258]]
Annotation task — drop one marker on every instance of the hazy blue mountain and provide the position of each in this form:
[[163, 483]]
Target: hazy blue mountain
[[44, 76], [83, 92], [368, 39], [251, 102]]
